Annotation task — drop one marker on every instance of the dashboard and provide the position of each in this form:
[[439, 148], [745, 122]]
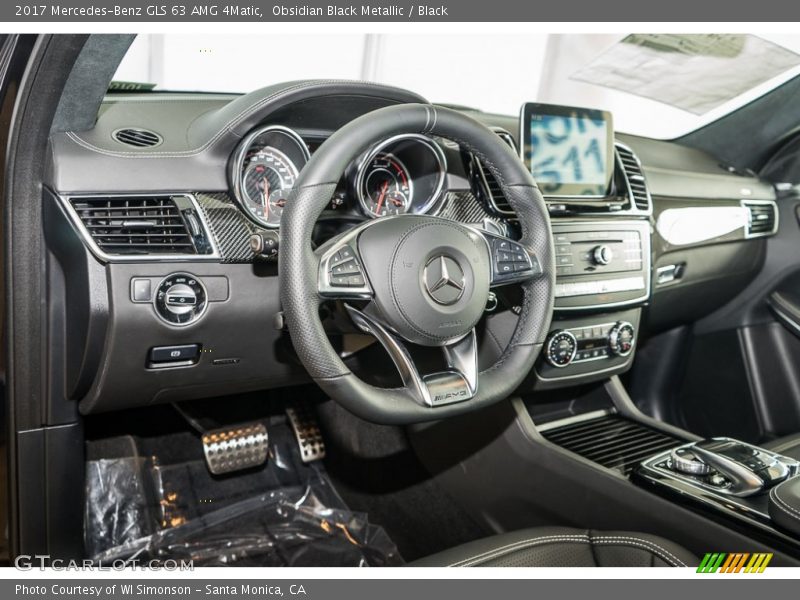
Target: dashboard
[[163, 222]]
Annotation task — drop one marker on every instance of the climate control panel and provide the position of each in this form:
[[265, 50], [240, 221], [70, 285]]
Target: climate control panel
[[590, 347], [596, 342]]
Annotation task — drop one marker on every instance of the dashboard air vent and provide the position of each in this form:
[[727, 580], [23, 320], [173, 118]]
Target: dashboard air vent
[[137, 225], [610, 440], [762, 218], [487, 185], [634, 178], [137, 137]]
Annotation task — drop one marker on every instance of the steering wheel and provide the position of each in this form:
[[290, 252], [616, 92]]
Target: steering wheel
[[425, 279]]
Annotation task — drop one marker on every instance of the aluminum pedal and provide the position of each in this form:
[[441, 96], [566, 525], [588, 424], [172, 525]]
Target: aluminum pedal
[[236, 448], [306, 432]]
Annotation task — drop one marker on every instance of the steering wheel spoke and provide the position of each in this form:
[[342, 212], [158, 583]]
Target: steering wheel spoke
[[456, 383], [511, 261], [341, 271]]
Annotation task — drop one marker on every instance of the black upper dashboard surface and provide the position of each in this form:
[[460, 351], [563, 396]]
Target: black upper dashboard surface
[[199, 133]]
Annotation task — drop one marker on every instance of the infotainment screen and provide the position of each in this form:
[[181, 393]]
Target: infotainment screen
[[569, 150]]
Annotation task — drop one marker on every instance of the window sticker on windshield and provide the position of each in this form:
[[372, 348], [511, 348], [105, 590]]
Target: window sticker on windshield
[[694, 72]]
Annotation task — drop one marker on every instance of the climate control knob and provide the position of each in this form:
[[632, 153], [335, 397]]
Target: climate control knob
[[560, 348], [621, 338]]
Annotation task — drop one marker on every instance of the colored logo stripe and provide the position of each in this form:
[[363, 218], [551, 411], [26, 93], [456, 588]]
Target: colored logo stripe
[[723, 562]]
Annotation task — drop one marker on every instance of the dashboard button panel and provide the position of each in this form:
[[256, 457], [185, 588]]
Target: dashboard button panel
[[601, 263]]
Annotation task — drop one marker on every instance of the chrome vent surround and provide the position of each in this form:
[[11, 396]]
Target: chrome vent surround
[[137, 137], [634, 180], [133, 227], [762, 218], [611, 441], [488, 187]]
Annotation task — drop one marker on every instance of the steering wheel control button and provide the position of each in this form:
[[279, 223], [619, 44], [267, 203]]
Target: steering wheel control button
[[510, 261], [621, 338], [341, 273], [560, 348], [180, 299], [166, 354], [444, 280], [141, 290]]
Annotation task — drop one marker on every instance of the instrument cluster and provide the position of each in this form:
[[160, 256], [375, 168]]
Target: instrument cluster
[[402, 174]]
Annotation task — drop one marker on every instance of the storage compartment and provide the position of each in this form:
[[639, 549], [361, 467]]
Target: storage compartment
[[608, 439]]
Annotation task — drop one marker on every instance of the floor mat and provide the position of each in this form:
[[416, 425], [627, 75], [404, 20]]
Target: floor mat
[[286, 513]]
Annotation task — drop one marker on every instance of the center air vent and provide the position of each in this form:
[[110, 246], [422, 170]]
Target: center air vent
[[142, 225], [762, 218], [634, 179], [487, 187], [610, 440], [137, 137]]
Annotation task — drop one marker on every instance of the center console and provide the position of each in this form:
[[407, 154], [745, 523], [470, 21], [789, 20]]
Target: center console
[[747, 489], [729, 477]]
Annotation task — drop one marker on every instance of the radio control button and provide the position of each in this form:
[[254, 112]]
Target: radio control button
[[602, 255]]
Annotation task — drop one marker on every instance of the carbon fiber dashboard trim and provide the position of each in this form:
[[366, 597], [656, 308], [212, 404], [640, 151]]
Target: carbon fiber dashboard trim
[[465, 208], [230, 228]]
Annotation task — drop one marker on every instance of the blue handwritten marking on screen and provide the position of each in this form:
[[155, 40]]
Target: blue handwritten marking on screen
[[569, 151]]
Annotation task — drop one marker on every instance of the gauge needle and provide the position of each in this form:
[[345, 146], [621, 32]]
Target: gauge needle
[[266, 196], [384, 189]]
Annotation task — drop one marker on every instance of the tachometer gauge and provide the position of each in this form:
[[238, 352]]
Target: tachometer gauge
[[268, 175], [264, 170], [386, 187]]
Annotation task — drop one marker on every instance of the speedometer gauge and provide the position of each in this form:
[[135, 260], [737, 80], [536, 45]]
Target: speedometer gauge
[[402, 174], [386, 186], [267, 176], [264, 170]]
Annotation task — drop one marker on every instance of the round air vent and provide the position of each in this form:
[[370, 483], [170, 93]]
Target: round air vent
[[137, 137]]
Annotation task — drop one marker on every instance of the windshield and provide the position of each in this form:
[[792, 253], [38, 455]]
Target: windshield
[[661, 86]]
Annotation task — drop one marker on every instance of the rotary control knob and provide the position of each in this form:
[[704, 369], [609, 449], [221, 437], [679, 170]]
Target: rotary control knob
[[621, 338], [180, 299], [683, 460], [560, 348], [602, 255]]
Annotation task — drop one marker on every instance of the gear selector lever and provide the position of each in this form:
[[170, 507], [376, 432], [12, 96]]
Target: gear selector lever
[[730, 466]]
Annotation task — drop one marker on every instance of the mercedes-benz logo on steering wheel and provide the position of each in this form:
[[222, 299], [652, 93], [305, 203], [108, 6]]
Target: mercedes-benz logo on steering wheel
[[444, 280]]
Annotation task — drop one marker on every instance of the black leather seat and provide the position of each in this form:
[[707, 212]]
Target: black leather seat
[[788, 446], [564, 547]]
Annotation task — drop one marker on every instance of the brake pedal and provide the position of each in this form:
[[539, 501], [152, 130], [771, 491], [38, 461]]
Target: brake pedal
[[236, 448], [306, 432]]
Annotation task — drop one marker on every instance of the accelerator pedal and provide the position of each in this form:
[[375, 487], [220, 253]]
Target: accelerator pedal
[[306, 431], [236, 448]]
